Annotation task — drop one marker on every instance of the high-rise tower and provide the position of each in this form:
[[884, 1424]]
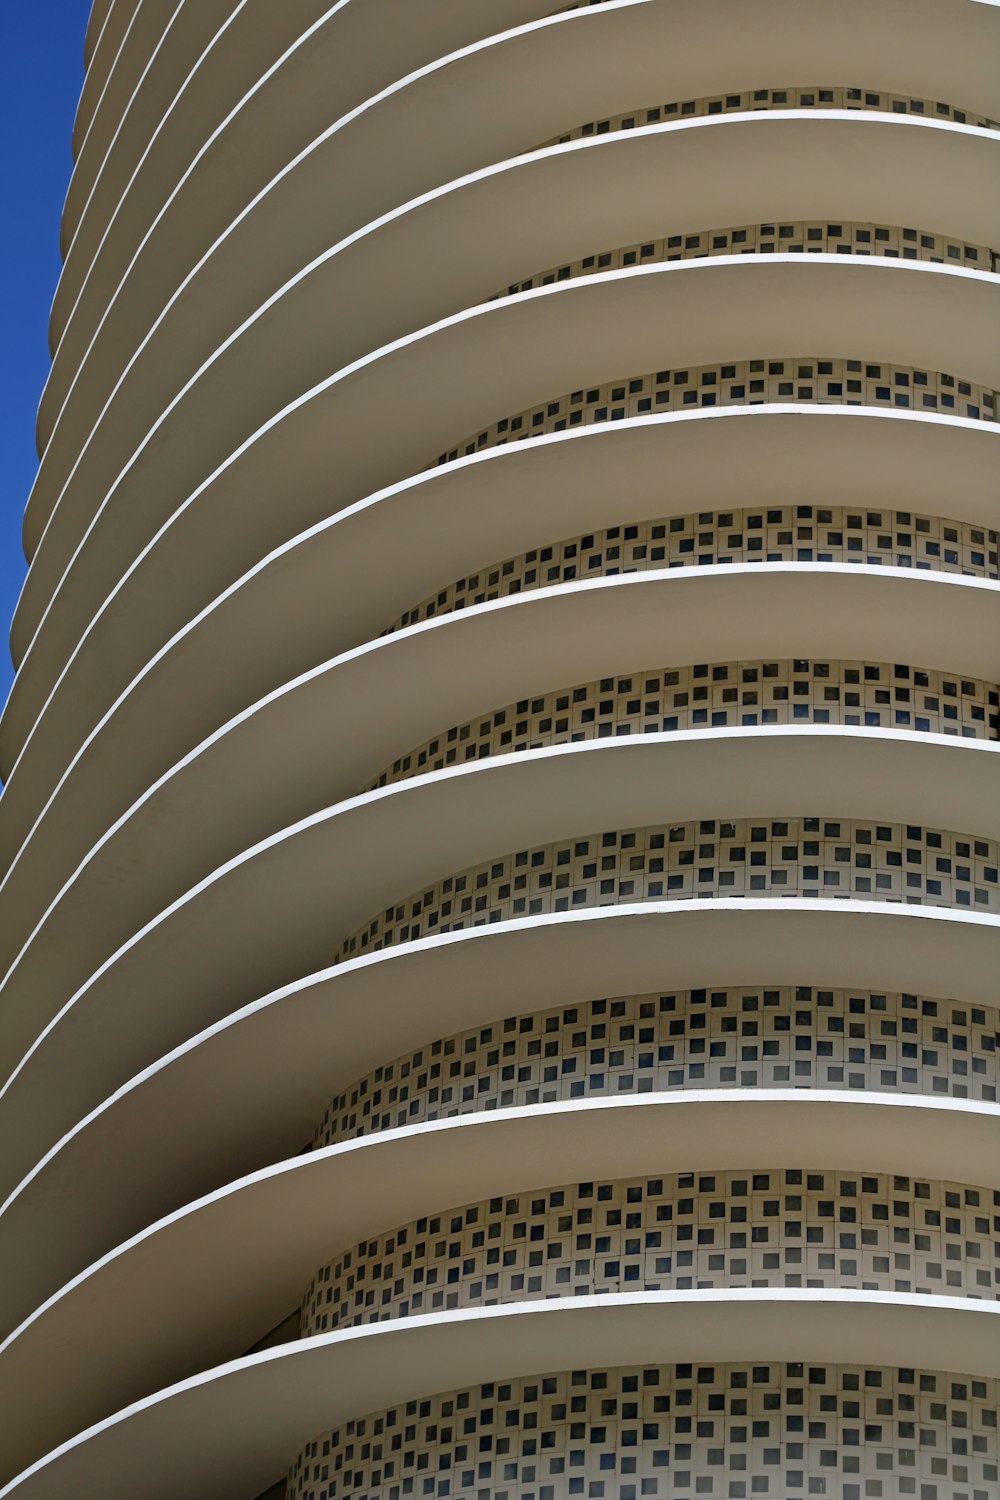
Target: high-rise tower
[[501, 832]]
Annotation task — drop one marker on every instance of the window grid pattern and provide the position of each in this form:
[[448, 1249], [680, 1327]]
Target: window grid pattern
[[780, 533], [690, 1231], [812, 237], [727, 695], [782, 1431], [796, 857], [753, 382], [879, 101], [787, 1037]]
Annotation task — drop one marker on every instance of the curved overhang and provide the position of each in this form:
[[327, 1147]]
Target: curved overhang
[[341, 723], [233, 1264], [225, 65], [157, 55], [122, 28], [127, 600], [413, 267], [231, 1431], [296, 1047], [297, 752], [524, 349], [541, 78], [202, 63], [444, 523], [97, 21]]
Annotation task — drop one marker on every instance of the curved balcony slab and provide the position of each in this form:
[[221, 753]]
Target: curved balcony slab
[[187, 63], [302, 888], [525, 349], [164, 562], [119, 38], [414, 266], [275, 766], [97, 22], [232, 1430], [340, 723], [235, 1262], [492, 505], [187, 104], [157, 54], [541, 77], [119, 1168]]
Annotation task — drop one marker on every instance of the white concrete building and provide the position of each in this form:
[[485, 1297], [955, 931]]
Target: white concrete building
[[501, 835]]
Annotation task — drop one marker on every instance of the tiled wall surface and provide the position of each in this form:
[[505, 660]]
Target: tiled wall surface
[[813, 856], [801, 237], [787, 1228], [718, 695], [881, 101], [681, 1431], [642, 1044], [858, 535], [802, 379], [728, 1432]]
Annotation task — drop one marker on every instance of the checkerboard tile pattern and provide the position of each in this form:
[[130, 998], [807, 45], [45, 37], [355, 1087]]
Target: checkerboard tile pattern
[[673, 1432], [800, 857], [798, 380], [879, 101], [725, 695], [860, 536], [793, 237], [695, 1039], [789, 1228]]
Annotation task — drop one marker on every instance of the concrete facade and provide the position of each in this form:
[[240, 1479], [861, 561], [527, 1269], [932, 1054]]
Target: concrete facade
[[500, 908]]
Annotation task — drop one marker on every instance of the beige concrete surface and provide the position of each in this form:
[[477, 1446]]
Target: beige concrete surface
[[227, 1433]]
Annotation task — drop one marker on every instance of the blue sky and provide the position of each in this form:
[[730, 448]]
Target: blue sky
[[42, 74]]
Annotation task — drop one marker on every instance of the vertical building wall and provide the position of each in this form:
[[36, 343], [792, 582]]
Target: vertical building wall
[[501, 906]]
